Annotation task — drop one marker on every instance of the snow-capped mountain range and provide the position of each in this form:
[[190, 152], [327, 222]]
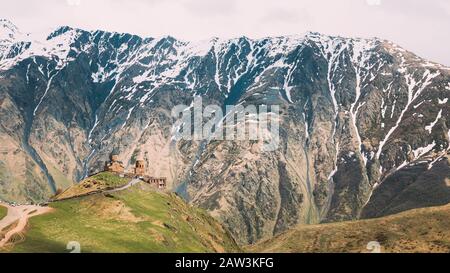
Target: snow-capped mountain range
[[364, 123]]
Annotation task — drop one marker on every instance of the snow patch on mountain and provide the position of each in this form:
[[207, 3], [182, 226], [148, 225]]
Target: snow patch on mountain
[[419, 152], [55, 46], [415, 89], [430, 127]]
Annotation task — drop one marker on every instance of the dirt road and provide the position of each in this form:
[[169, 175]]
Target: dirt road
[[129, 185], [19, 215]]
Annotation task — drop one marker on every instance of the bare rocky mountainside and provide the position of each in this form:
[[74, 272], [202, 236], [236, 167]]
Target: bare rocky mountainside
[[364, 124]]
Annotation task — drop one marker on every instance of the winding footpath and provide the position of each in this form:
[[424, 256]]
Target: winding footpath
[[129, 185], [20, 216]]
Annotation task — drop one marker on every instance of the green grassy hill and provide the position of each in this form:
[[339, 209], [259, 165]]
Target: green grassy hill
[[98, 182], [138, 219], [141, 219], [3, 212], [421, 230]]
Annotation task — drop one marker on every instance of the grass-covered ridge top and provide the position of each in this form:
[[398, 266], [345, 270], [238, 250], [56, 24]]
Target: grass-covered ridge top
[[95, 183], [138, 219], [420, 230]]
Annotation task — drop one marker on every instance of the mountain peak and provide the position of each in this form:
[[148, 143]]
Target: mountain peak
[[5, 23], [8, 30], [59, 31]]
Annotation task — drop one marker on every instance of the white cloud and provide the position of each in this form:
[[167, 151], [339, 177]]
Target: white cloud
[[419, 25]]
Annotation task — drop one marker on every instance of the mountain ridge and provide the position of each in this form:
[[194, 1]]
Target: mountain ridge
[[414, 231], [354, 112]]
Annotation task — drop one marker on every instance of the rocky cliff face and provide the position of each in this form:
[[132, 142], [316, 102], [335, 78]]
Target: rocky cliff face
[[364, 124]]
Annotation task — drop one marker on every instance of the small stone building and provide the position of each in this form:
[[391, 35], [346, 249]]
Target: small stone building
[[114, 165], [157, 182], [139, 168]]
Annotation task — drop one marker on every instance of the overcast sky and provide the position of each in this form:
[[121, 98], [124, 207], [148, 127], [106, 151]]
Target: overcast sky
[[422, 26]]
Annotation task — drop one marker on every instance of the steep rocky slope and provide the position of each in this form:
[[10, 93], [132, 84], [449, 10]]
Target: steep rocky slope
[[364, 123]]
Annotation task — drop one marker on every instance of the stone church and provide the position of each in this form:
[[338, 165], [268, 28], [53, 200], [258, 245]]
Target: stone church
[[116, 166]]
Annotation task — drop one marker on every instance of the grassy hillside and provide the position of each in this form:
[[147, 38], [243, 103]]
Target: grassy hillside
[[101, 181], [138, 219], [3, 212], [421, 230], [141, 219]]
